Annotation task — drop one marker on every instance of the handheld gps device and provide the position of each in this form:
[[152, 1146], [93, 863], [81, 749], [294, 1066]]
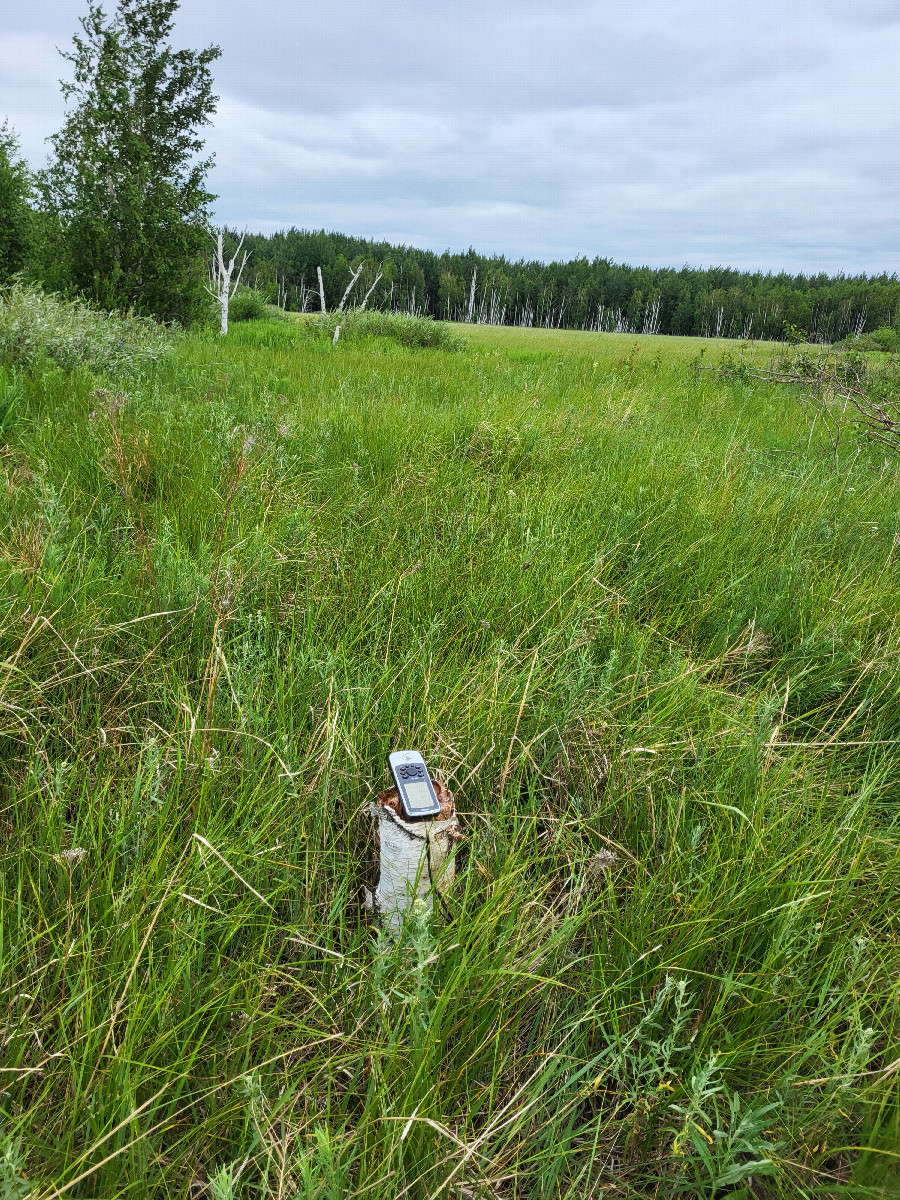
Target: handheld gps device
[[414, 786]]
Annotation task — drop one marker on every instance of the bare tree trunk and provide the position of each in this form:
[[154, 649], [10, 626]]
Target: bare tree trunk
[[349, 288], [321, 291], [220, 286], [369, 292], [472, 295], [304, 293]]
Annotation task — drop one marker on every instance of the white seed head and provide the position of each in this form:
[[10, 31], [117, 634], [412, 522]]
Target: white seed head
[[71, 858]]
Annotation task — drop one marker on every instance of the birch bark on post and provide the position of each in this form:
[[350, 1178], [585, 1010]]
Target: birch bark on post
[[321, 291], [414, 856]]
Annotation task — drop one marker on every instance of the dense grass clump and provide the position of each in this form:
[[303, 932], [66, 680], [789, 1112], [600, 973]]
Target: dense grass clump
[[248, 305], [413, 332], [37, 327], [640, 626]]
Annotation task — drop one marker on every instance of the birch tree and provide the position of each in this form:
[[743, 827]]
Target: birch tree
[[371, 289], [349, 288], [126, 187], [222, 282]]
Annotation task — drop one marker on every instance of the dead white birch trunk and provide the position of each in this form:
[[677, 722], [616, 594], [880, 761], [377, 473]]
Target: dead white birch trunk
[[369, 292], [304, 294], [219, 285], [472, 295], [415, 857], [349, 288], [321, 291]]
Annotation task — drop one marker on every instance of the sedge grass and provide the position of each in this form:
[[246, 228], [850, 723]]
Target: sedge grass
[[644, 631]]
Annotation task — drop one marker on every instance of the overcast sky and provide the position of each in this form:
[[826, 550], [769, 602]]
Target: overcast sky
[[759, 135]]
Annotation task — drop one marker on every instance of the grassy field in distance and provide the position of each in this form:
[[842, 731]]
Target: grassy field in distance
[[578, 341], [635, 618]]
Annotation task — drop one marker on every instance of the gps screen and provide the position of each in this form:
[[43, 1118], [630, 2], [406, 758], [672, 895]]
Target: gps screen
[[418, 796]]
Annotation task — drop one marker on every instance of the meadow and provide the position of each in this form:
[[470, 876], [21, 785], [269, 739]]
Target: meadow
[[636, 616]]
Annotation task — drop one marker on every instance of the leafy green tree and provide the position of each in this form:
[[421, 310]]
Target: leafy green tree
[[126, 186], [15, 213]]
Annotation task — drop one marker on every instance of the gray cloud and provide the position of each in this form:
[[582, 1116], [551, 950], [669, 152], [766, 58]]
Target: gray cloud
[[693, 131]]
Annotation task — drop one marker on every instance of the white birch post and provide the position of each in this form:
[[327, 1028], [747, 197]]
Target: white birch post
[[415, 857], [219, 285], [321, 291]]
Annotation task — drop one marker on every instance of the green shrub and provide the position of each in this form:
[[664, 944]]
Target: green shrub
[[37, 326], [247, 305], [885, 340], [793, 333], [415, 332]]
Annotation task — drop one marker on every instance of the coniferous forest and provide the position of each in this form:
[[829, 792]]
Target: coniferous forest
[[595, 294]]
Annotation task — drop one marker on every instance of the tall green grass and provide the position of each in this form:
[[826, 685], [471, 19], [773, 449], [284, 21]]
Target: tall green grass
[[641, 627]]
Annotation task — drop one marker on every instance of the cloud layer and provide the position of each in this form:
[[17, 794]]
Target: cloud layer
[[677, 131]]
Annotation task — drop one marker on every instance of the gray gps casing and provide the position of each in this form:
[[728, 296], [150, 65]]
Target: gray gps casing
[[414, 786]]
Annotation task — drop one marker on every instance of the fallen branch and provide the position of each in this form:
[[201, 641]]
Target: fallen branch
[[842, 389]]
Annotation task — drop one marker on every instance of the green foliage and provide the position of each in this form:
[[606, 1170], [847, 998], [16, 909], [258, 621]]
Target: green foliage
[[272, 333], [13, 1184], [886, 340], [248, 305], [413, 332], [793, 334], [595, 294], [642, 631], [15, 212], [125, 194], [37, 327]]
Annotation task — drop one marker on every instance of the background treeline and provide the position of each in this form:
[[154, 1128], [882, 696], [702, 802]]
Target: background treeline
[[582, 294]]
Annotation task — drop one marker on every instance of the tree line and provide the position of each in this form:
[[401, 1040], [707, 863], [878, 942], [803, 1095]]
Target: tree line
[[595, 294]]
